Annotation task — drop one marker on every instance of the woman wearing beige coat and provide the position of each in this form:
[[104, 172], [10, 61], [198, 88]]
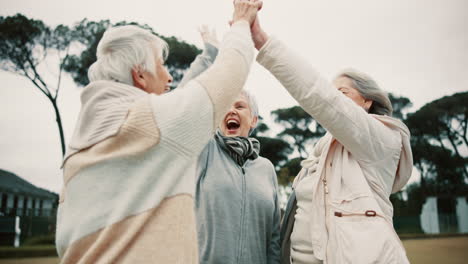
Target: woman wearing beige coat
[[340, 211]]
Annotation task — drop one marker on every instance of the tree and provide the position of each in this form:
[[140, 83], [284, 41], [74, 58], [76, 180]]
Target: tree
[[274, 149], [297, 125], [438, 139], [289, 171], [25, 44], [400, 105]]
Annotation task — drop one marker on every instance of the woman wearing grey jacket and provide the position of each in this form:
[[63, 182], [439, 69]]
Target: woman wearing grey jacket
[[236, 198]]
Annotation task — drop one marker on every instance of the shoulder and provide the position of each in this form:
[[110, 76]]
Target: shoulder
[[264, 162], [399, 130], [268, 167]]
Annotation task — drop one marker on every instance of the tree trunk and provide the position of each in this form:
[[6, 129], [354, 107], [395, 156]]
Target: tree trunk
[[59, 124]]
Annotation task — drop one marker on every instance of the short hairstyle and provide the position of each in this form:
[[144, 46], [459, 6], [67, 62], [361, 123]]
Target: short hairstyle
[[252, 105], [252, 102], [124, 48], [370, 90]]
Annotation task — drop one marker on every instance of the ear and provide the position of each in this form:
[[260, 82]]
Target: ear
[[253, 124], [138, 79], [367, 104]]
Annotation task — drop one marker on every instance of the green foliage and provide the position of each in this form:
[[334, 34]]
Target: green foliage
[[439, 134], [289, 171], [297, 123], [24, 44], [19, 39], [274, 149], [87, 34], [400, 105]]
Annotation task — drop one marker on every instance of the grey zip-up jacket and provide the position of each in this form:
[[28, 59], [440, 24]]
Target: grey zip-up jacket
[[237, 209]]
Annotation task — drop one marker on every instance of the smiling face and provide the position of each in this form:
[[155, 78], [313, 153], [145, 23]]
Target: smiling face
[[345, 85], [238, 121]]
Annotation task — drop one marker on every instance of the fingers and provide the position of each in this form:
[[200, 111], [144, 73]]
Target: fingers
[[246, 10]]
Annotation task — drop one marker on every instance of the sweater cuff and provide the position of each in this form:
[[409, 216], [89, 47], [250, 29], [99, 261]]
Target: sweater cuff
[[266, 54], [210, 51]]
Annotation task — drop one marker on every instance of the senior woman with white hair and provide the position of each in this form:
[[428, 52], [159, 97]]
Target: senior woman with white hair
[[237, 207], [340, 211], [129, 173]]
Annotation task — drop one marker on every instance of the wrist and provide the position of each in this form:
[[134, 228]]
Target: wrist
[[260, 39]]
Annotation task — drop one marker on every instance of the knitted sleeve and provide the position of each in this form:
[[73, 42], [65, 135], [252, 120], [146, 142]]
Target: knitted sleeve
[[188, 117]]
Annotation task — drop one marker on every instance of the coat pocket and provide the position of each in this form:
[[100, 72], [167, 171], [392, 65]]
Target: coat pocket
[[362, 239]]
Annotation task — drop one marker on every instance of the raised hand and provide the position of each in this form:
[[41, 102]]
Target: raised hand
[[208, 36], [246, 10]]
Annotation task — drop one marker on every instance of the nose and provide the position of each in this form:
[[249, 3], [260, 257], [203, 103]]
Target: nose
[[170, 79], [232, 110]]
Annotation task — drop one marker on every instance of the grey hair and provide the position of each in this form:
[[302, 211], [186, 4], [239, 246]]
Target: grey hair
[[124, 48], [370, 90], [252, 105], [252, 102]]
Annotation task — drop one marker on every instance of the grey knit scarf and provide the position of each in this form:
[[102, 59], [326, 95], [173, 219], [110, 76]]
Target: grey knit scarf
[[239, 148]]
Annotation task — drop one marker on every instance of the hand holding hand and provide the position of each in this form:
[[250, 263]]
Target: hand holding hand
[[246, 10]]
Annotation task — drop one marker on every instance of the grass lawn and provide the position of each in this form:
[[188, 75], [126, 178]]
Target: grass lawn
[[437, 250], [452, 250]]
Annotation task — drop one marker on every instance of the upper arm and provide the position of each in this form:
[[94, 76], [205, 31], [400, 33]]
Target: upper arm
[[359, 132], [184, 118]]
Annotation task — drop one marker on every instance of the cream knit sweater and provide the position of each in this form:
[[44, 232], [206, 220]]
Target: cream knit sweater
[[129, 171]]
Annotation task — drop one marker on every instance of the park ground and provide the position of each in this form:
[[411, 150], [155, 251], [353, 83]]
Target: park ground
[[420, 251]]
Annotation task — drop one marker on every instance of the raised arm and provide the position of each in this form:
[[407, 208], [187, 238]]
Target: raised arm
[[205, 59], [362, 134], [187, 118]]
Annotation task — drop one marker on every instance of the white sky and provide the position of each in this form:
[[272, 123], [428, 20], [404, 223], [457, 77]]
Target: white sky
[[417, 48]]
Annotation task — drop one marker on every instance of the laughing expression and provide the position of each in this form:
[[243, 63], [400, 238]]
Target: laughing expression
[[238, 121]]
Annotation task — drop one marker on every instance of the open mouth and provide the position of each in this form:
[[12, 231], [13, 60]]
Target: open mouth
[[232, 125]]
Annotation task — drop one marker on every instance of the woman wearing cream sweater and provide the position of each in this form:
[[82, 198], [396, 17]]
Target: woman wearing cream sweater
[[129, 173]]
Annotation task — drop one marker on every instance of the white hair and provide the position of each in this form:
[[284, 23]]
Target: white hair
[[370, 90], [252, 102], [252, 105], [124, 48]]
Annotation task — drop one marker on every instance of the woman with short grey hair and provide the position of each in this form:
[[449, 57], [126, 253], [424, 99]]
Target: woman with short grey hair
[[236, 198], [340, 210], [129, 176]]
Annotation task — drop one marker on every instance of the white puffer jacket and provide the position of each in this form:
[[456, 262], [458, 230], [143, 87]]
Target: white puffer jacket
[[360, 161]]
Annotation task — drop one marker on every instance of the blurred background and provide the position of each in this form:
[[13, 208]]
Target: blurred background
[[416, 50]]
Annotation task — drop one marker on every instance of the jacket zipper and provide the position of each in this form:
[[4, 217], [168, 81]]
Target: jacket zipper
[[239, 254]]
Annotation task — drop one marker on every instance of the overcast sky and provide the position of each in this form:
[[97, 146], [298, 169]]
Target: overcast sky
[[416, 48]]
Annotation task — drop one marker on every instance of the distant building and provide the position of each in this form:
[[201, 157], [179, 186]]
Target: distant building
[[18, 197]]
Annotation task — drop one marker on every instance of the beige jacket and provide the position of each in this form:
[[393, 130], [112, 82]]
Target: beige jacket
[[360, 161]]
